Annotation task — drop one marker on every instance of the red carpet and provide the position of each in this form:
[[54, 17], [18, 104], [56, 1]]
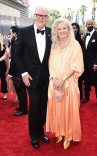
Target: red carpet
[[15, 140]]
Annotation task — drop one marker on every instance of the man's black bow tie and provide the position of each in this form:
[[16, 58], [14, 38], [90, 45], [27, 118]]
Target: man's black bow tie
[[40, 31], [87, 34]]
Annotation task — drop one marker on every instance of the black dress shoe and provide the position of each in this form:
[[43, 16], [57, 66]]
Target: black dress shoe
[[89, 88], [35, 143], [20, 113], [85, 100], [45, 139], [17, 108]]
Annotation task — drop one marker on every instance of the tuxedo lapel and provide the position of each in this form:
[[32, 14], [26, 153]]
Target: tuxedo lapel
[[90, 41], [32, 40], [47, 42]]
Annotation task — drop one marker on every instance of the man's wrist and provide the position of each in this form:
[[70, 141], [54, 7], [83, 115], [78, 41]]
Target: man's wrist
[[9, 75], [23, 74]]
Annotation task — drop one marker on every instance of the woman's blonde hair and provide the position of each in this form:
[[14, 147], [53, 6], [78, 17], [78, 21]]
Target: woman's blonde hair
[[55, 38], [1, 42]]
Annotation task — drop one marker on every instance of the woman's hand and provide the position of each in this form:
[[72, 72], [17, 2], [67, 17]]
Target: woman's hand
[[94, 68], [6, 72], [58, 83]]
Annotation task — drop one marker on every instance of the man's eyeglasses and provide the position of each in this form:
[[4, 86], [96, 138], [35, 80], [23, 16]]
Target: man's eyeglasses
[[41, 16]]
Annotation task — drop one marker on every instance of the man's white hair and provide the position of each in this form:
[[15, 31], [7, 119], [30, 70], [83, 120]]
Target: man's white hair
[[42, 7]]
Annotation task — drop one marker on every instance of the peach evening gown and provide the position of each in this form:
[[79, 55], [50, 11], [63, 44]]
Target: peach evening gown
[[63, 117]]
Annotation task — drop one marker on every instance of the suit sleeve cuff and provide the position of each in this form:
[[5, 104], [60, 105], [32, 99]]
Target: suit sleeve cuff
[[23, 74], [10, 75]]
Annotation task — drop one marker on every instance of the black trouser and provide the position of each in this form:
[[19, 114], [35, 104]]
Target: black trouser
[[37, 108], [22, 96], [3, 84], [89, 75], [80, 80]]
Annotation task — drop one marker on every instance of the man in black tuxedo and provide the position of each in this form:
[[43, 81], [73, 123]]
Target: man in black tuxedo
[[13, 72], [90, 59], [32, 53]]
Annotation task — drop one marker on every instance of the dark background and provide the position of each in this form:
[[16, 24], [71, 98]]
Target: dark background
[[7, 21]]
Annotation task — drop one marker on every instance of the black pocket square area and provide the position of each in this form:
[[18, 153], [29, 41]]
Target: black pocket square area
[[16, 80]]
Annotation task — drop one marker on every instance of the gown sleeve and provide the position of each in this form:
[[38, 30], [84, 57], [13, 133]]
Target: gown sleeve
[[77, 60]]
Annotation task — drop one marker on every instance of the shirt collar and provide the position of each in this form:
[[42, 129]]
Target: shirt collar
[[35, 28]]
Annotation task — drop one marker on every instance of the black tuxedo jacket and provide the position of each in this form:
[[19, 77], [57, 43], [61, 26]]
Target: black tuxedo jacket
[[26, 54], [13, 70], [90, 55]]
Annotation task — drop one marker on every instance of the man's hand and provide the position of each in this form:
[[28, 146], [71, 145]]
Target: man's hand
[[94, 68], [26, 79]]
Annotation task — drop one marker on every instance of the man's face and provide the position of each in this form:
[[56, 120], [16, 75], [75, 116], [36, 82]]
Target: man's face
[[12, 34], [41, 16], [89, 23]]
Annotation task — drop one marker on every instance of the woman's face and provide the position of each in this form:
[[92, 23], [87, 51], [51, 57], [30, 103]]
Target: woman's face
[[9, 38], [62, 30], [75, 29]]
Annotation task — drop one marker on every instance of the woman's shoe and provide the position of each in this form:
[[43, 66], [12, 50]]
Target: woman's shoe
[[66, 144], [5, 97], [15, 101], [58, 139]]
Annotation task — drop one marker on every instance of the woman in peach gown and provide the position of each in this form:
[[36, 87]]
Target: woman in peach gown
[[65, 66]]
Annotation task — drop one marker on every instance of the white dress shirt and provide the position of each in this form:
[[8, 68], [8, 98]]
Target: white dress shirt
[[88, 38], [40, 41], [41, 45]]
